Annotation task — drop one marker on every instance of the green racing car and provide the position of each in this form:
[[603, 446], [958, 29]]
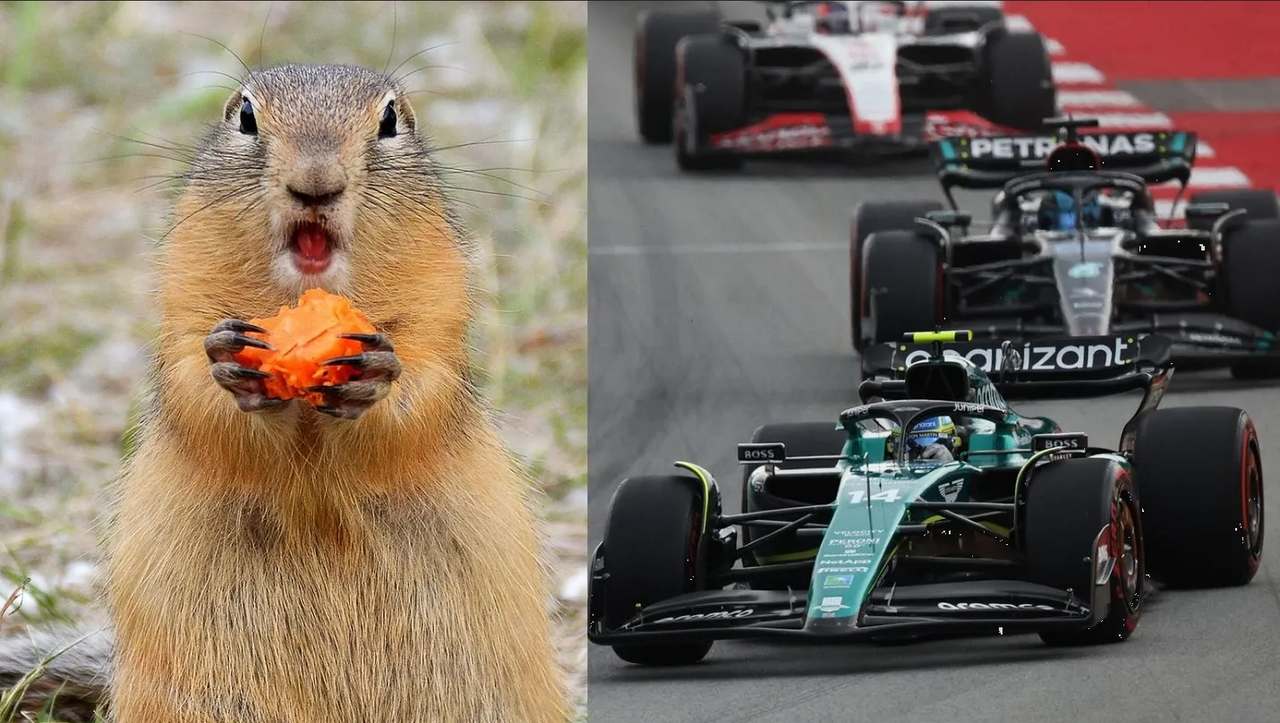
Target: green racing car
[[935, 509]]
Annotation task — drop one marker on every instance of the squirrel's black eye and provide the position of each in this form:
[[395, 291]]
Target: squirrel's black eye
[[248, 123], [387, 127]]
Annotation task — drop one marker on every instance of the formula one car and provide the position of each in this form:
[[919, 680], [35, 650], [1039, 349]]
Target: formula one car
[[826, 76], [1075, 248], [858, 533]]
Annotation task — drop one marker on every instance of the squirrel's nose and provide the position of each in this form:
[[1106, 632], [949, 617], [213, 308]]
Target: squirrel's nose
[[316, 184], [316, 195]]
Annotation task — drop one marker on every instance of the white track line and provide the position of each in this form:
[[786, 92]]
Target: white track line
[[1067, 72], [1088, 99], [1075, 73], [1222, 177], [1018, 23], [1123, 121]]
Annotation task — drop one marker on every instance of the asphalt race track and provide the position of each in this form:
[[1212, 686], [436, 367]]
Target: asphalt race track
[[719, 303]]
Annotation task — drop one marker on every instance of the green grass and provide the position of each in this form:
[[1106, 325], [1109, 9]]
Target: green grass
[[503, 91]]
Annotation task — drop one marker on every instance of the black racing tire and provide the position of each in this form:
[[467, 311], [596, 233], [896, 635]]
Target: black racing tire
[[950, 20], [1251, 255], [802, 439], [1067, 503], [654, 66], [1020, 92], [1259, 203], [652, 551], [1199, 476], [873, 217], [717, 69], [903, 280]]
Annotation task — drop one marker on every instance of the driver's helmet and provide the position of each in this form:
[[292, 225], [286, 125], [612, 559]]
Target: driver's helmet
[[932, 438], [1058, 211], [831, 18]]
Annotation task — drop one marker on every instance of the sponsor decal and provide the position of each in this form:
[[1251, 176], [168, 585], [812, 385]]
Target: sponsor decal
[[986, 394], [854, 533], [843, 570], [994, 606], [1085, 270], [967, 408], [762, 452], [785, 138], [718, 615], [1214, 338], [1064, 443], [858, 411], [940, 126], [1048, 357], [951, 490], [838, 581], [1039, 147], [831, 605], [855, 541], [1071, 440]]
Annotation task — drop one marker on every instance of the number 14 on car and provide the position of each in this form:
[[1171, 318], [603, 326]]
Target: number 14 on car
[[855, 496]]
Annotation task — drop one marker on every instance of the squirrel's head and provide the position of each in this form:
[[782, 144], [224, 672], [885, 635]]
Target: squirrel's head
[[308, 163]]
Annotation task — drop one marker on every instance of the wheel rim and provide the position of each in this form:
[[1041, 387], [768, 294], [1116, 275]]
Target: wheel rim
[[1128, 556], [1253, 528]]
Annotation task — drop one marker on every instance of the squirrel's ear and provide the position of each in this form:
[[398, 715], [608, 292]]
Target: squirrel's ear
[[232, 106], [405, 110]]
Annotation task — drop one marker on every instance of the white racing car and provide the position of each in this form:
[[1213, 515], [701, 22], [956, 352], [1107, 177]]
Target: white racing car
[[822, 76]]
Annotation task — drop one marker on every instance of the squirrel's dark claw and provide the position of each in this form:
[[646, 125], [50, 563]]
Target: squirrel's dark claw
[[378, 363], [355, 360], [245, 385], [227, 338], [372, 342], [352, 399], [221, 345]]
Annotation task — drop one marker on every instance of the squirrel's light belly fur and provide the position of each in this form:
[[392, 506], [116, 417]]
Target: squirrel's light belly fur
[[280, 565]]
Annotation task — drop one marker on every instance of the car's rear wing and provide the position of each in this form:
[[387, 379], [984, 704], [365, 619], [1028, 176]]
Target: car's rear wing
[[1045, 368], [991, 162], [1062, 367]]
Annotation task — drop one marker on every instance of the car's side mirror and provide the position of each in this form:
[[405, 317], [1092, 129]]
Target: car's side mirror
[[1206, 210], [748, 26], [950, 218]]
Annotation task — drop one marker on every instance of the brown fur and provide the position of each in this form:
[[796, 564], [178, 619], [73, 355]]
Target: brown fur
[[289, 567]]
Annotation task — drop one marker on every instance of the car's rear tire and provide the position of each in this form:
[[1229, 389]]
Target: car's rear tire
[[1199, 476], [654, 66], [652, 551], [1251, 255], [1259, 203], [717, 70], [1019, 92], [801, 439], [949, 20], [1067, 503], [873, 217], [903, 280]]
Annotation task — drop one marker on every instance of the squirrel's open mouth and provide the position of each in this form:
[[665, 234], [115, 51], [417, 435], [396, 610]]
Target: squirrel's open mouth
[[312, 247]]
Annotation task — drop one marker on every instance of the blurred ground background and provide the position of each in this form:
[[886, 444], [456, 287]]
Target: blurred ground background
[[502, 92]]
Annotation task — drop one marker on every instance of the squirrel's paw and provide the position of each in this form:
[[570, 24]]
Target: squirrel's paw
[[375, 369], [245, 384]]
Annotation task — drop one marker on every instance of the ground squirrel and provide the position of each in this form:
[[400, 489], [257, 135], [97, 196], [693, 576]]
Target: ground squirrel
[[372, 558]]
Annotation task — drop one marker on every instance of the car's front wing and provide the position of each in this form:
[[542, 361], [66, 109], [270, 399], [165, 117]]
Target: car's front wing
[[939, 609]]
